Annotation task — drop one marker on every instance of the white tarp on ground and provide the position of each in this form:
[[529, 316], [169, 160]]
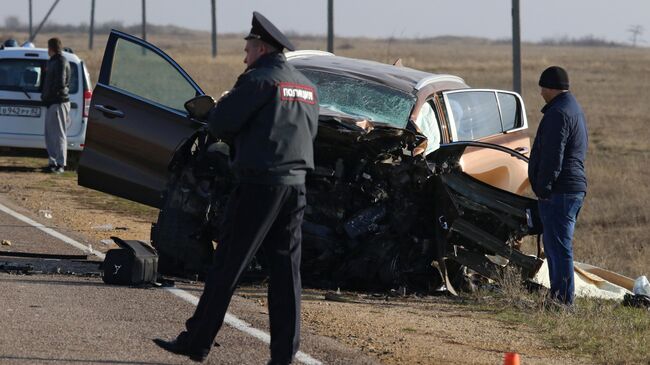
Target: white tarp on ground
[[592, 281]]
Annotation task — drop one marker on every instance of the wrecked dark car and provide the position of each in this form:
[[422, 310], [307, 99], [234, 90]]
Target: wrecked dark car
[[418, 177]]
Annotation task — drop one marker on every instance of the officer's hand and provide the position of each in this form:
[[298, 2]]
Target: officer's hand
[[199, 107]]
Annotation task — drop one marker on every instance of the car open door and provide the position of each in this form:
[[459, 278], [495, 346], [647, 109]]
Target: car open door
[[136, 120], [496, 117], [480, 225]]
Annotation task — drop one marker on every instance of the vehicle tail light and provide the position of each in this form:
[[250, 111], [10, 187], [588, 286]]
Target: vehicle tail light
[[88, 94]]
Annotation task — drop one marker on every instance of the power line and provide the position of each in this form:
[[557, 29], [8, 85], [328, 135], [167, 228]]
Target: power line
[[32, 36]]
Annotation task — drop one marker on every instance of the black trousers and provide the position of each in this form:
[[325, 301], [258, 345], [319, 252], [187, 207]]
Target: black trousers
[[256, 215]]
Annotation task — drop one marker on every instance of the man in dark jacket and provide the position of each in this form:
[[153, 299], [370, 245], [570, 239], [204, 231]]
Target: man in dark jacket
[[55, 97], [557, 175], [271, 117]]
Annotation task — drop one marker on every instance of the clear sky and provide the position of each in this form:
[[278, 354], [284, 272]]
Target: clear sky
[[372, 18]]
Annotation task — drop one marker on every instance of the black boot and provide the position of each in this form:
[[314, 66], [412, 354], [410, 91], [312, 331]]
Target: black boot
[[273, 362], [180, 347]]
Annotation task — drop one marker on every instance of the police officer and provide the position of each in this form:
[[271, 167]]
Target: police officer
[[271, 117]]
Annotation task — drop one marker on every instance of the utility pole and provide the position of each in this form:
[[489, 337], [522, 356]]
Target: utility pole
[[33, 35], [30, 19], [516, 48], [144, 19], [330, 26], [214, 28], [91, 31]]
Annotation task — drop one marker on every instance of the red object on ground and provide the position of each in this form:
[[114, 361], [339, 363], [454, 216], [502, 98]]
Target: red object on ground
[[511, 358]]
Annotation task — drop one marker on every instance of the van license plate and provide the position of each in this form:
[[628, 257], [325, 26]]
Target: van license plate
[[20, 111]]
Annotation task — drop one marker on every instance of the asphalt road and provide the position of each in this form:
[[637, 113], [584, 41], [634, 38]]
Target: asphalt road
[[60, 312]]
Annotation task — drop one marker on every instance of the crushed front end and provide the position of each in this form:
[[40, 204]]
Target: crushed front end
[[378, 215]]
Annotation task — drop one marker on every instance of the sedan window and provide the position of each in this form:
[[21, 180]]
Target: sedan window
[[475, 114], [428, 125], [510, 112], [362, 98], [145, 74]]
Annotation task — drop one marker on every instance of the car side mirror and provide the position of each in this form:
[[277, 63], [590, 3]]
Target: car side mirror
[[199, 107]]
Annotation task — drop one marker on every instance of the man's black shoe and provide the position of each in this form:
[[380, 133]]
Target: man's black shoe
[[273, 362], [176, 347]]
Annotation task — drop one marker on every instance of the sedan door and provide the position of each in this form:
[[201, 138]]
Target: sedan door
[[496, 117], [136, 120]]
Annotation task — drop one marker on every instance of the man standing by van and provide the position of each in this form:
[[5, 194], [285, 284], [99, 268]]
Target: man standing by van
[[56, 99]]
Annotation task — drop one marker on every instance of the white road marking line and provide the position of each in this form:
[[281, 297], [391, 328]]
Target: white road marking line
[[51, 232], [230, 319], [243, 326]]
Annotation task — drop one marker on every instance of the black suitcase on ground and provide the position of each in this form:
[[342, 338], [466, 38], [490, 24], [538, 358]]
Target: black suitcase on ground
[[134, 263]]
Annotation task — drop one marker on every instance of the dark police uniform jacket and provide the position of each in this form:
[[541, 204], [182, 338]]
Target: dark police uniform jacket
[[557, 160], [271, 118]]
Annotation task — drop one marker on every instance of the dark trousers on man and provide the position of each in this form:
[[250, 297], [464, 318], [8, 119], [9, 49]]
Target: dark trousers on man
[[268, 216], [559, 214]]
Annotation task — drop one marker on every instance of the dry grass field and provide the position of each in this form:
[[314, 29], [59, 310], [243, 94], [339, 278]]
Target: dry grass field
[[612, 231]]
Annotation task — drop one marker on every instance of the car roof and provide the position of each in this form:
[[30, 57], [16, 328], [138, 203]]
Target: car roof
[[34, 53], [403, 78]]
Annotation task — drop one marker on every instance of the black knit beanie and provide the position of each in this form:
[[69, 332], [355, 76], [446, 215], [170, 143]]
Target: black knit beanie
[[554, 77]]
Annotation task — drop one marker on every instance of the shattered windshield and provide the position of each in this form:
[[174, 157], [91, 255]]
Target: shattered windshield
[[366, 99]]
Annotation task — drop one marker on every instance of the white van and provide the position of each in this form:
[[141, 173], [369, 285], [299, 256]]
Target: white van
[[22, 113]]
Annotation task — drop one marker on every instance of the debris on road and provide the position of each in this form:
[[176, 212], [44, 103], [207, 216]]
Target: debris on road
[[641, 286], [6, 243], [591, 281], [45, 213], [108, 227], [12, 268], [48, 263], [637, 301], [336, 297], [103, 227], [51, 256], [134, 263]]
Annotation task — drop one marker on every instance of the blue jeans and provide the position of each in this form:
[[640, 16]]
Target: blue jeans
[[559, 214]]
